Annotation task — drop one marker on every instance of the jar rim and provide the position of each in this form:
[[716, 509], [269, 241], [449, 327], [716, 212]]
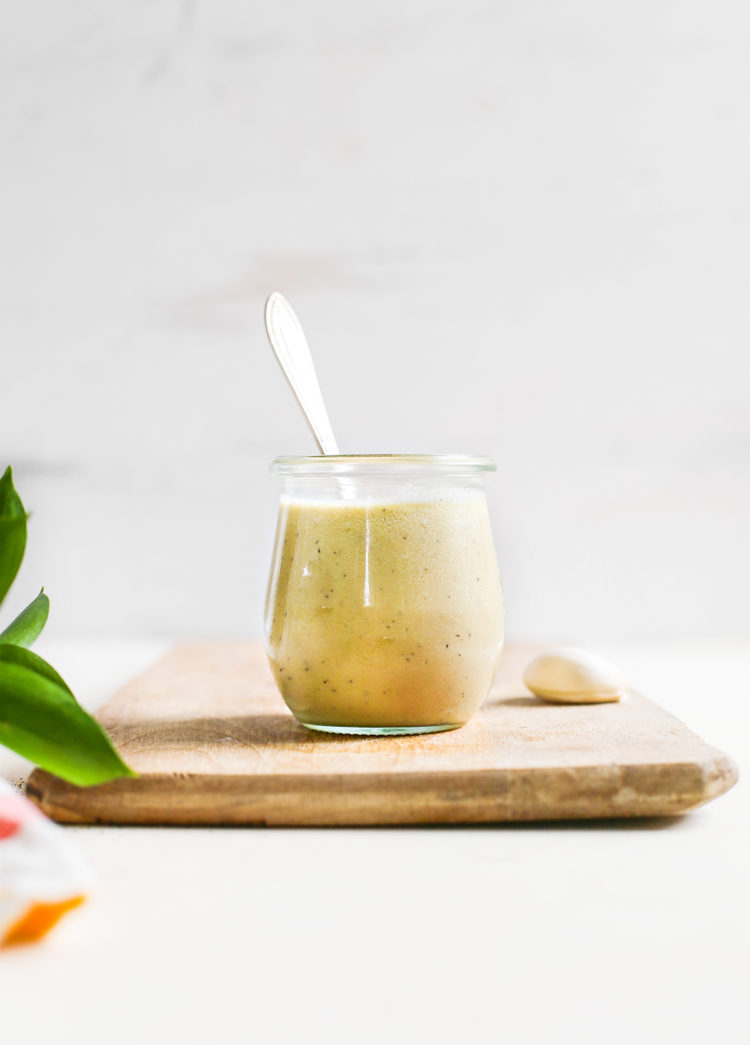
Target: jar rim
[[382, 464]]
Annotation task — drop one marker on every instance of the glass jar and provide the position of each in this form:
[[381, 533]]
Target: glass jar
[[384, 612]]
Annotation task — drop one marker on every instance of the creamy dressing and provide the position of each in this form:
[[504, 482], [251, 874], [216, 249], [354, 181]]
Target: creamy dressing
[[384, 614]]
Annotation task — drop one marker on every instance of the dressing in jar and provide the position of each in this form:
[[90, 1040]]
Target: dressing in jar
[[384, 612]]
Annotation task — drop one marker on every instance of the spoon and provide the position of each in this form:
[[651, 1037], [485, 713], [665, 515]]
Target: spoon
[[291, 349]]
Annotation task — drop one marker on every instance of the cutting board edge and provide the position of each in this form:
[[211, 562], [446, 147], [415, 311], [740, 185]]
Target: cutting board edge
[[486, 796]]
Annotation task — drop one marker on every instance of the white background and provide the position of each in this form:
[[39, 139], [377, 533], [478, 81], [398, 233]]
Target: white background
[[517, 229], [512, 228]]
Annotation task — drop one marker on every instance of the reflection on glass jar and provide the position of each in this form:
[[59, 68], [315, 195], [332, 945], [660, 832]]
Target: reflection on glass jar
[[384, 611]]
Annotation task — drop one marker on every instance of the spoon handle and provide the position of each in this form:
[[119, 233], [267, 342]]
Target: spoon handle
[[290, 348]]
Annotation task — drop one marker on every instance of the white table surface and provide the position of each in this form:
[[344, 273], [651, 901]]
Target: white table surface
[[585, 933]]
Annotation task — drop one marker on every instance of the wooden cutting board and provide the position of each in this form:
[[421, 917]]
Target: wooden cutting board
[[214, 744]]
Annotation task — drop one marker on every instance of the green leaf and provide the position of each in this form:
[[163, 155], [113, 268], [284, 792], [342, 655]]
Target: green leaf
[[28, 624], [17, 655], [12, 532], [41, 720]]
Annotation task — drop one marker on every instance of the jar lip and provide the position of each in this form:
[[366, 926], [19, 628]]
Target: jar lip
[[381, 464]]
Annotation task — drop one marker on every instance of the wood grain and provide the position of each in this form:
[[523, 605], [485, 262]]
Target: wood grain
[[214, 744]]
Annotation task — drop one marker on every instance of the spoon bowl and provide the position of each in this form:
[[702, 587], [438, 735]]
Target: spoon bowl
[[290, 347]]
